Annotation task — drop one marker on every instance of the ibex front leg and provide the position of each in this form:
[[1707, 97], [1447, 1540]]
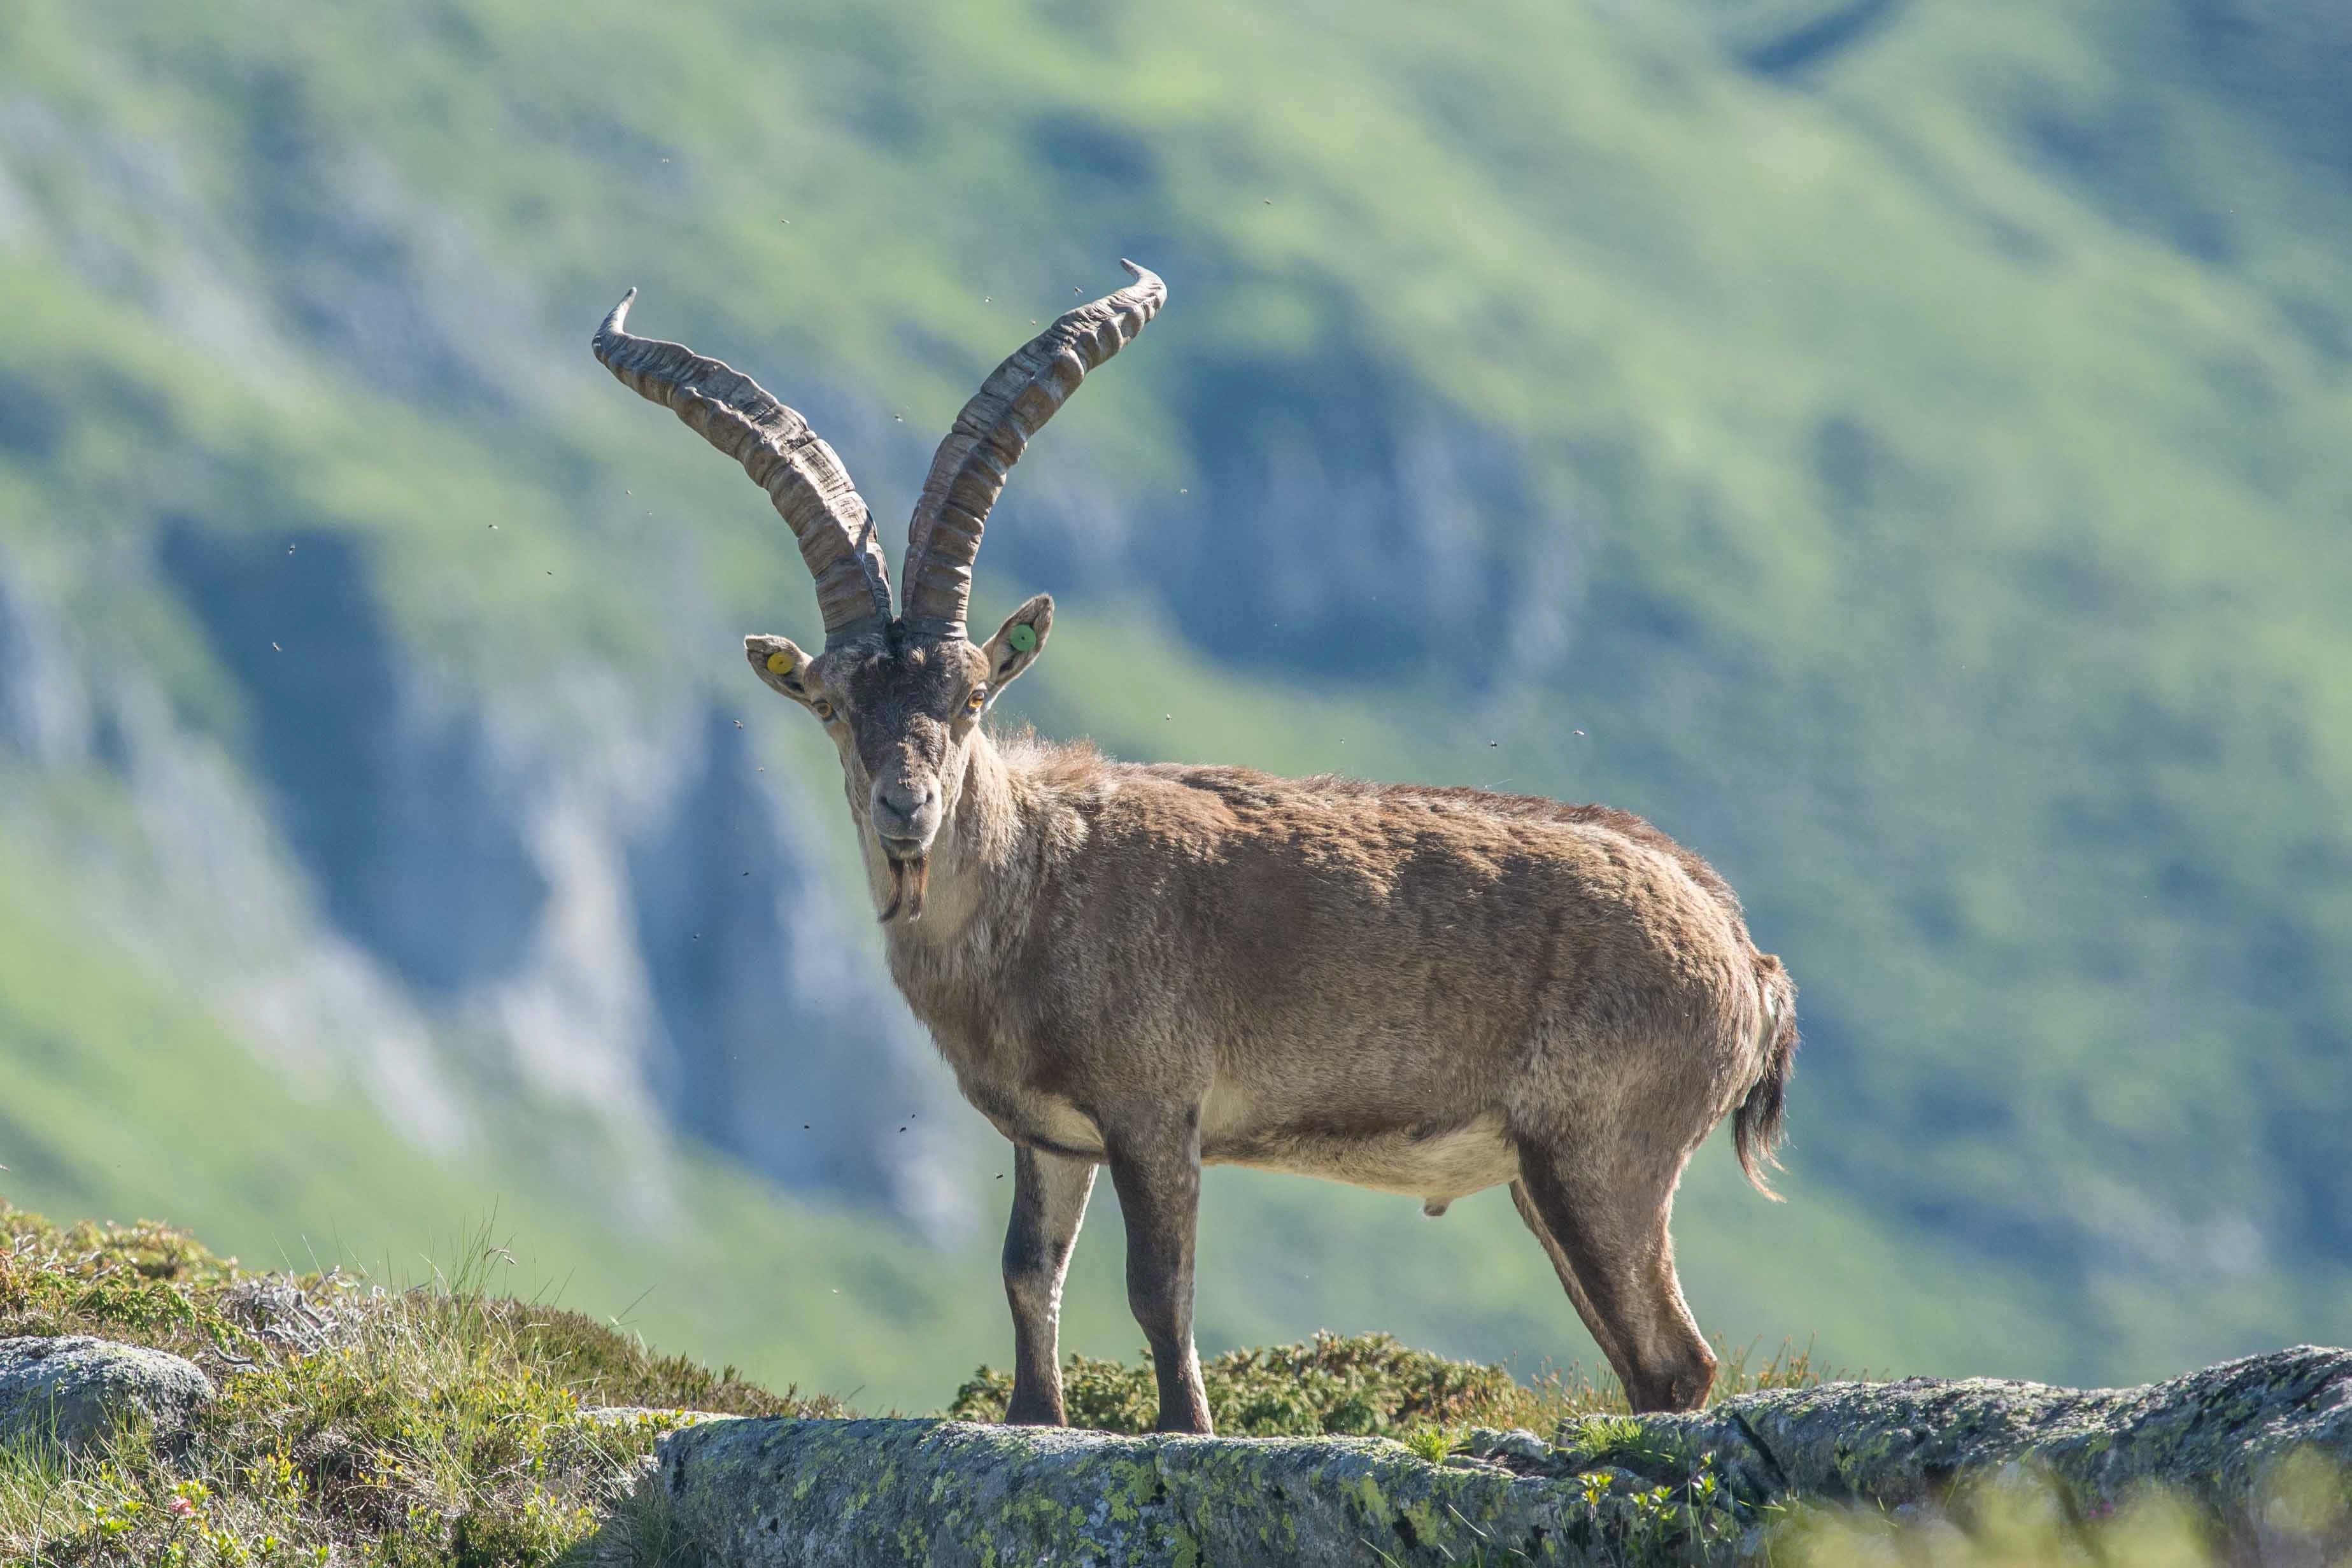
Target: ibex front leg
[[1155, 1163], [1049, 1200]]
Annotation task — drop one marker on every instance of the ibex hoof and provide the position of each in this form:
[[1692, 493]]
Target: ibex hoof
[[1433, 1206]]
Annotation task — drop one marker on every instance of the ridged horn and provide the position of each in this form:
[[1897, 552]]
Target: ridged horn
[[988, 437], [806, 482]]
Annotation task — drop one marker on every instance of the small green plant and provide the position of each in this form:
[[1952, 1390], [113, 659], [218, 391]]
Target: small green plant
[[1603, 1439], [1431, 1443]]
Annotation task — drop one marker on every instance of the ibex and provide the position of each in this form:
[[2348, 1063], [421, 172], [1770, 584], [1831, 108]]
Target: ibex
[[1427, 991]]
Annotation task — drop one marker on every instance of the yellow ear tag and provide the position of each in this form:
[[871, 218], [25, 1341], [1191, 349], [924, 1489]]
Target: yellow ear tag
[[780, 663]]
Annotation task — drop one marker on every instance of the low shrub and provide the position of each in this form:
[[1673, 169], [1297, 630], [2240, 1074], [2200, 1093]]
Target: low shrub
[[1354, 1385]]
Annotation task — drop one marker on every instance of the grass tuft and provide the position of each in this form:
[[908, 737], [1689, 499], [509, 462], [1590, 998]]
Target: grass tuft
[[1431, 1443], [433, 1423]]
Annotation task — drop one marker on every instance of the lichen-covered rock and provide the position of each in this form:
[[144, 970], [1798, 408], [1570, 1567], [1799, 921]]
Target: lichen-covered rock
[[1696, 1489], [2211, 1436], [778, 1493], [75, 1391]]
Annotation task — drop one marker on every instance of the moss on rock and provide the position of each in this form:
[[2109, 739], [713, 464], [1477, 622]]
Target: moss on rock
[[2236, 1448], [953, 1493]]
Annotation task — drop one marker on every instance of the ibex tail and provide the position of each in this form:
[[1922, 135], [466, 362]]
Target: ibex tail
[[1756, 1126]]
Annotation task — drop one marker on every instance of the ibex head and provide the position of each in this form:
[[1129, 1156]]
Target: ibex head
[[902, 694]]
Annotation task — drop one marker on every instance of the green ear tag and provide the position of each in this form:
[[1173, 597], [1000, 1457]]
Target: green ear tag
[[1024, 637], [780, 663]]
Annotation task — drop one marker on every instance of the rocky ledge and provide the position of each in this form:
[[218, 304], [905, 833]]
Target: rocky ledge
[[1706, 1488]]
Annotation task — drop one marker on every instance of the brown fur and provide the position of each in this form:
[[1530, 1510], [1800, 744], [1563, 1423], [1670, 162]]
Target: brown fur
[[1419, 989]]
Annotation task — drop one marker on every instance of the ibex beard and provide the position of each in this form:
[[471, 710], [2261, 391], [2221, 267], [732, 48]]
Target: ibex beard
[[1422, 990], [907, 878]]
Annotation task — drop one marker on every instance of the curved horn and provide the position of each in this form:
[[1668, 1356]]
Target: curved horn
[[968, 471], [811, 489]]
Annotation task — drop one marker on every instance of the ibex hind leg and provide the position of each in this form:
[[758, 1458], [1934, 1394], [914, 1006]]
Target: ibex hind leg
[[1598, 1326], [1607, 1227]]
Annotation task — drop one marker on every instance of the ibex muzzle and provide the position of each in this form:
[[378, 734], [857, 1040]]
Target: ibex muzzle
[[1426, 992], [906, 812]]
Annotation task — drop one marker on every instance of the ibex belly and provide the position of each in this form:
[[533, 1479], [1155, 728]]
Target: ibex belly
[[1436, 1163]]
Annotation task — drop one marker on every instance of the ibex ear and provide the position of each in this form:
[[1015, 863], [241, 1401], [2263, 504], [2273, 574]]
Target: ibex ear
[[1019, 641], [782, 665]]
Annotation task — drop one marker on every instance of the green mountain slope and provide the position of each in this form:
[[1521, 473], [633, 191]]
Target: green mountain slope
[[1894, 449]]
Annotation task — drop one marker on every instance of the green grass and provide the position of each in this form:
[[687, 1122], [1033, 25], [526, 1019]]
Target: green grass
[[400, 1424]]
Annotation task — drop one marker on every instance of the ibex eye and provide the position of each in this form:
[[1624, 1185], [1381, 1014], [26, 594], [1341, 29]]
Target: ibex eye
[[977, 701], [822, 708]]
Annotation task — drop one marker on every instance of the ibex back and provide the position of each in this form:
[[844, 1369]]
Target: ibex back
[[1423, 990]]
